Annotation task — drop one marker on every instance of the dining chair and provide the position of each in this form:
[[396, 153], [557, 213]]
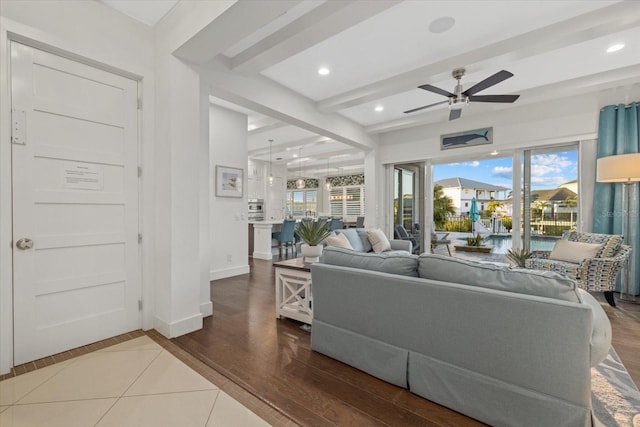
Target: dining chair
[[286, 237]]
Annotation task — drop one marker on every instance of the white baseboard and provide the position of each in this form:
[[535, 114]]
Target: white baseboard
[[179, 327], [228, 272], [206, 309], [262, 255]]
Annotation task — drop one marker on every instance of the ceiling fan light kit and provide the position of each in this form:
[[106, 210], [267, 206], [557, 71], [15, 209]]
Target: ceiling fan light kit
[[459, 98]]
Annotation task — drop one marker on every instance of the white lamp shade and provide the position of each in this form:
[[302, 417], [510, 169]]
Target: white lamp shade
[[620, 168]]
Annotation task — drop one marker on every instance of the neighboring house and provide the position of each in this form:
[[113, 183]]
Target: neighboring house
[[462, 190], [560, 202]]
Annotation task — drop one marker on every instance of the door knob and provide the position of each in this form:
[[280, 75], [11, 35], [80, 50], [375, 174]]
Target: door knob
[[24, 244]]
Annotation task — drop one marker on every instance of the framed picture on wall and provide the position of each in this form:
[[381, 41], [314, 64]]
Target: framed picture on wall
[[229, 181]]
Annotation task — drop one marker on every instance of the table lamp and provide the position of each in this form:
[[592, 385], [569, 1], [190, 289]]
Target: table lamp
[[624, 168]]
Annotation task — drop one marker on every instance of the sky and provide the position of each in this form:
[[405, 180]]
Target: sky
[[547, 170]]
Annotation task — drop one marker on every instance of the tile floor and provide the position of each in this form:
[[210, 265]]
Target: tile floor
[[134, 383]]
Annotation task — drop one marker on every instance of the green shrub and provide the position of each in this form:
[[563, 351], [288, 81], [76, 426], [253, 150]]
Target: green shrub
[[462, 226], [507, 223]]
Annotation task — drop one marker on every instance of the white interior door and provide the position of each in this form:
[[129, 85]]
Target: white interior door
[[75, 200]]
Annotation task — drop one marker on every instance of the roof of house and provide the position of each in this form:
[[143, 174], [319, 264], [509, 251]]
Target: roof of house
[[458, 182], [553, 195]]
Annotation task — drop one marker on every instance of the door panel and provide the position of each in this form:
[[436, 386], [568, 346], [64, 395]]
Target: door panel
[[75, 195]]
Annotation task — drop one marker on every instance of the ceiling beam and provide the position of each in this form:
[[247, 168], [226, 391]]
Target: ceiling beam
[[267, 97], [240, 20], [617, 17], [321, 23]]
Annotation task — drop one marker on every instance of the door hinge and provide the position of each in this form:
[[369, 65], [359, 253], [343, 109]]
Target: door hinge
[[139, 237], [139, 305], [139, 103], [139, 171]]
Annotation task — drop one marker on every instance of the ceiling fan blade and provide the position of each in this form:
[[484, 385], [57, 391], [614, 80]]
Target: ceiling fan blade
[[494, 98], [488, 82], [437, 90], [426, 106], [455, 113]]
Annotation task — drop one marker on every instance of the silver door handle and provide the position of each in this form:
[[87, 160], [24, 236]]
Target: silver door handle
[[24, 244]]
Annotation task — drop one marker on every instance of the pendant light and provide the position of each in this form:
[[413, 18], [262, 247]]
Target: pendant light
[[270, 172], [300, 182], [328, 184]]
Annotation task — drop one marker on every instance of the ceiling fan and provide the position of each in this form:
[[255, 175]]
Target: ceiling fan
[[460, 98]]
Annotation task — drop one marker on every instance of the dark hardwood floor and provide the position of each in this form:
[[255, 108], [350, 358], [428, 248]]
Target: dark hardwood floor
[[272, 359]]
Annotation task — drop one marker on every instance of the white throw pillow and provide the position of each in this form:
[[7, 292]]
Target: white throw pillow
[[565, 250], [339, 241], [378, 240]]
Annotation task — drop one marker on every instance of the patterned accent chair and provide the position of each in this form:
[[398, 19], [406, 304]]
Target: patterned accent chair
[[596, 274]]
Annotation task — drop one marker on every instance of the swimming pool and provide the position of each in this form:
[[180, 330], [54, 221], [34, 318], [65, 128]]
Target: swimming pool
[[502, 243]]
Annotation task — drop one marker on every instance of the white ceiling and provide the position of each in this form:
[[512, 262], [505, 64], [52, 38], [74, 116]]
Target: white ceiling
[[379, 51]]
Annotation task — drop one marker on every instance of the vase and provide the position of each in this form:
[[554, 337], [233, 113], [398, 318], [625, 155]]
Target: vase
[[311, 253]]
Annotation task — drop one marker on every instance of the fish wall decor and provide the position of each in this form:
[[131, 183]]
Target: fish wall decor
[[467, 138]]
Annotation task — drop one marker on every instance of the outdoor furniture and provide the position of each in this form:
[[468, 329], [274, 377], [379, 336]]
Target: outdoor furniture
[[596, 274], [439, 240], [360, 222], [403, 234]]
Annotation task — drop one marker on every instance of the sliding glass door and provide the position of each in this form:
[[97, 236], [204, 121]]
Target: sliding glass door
[[550, 194], [408, 203]]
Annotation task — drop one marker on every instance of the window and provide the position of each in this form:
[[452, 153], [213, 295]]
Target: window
[[302, 203], [347, 202]]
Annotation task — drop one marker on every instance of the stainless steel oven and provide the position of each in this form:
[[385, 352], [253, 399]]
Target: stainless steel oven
[[256, 210]]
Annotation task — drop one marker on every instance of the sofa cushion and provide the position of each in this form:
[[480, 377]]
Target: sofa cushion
[[379, 240], [354, 240], [610, 242], [339, 241], [569, 251], [366, 244], [402, 263], [530, 282]]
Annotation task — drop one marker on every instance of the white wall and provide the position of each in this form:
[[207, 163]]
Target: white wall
[[229, 230]]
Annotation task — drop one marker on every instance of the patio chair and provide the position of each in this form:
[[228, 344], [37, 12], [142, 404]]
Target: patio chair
[[403, 234], [439, 240], [360, 222], [597, 274]]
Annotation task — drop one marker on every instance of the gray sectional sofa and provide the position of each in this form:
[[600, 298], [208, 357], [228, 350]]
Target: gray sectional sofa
[[508, 347]]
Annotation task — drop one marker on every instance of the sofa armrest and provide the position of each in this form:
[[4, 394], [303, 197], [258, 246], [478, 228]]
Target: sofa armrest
[[600, 273], [401, 245]]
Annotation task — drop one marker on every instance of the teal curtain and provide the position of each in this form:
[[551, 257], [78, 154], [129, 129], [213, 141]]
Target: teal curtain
[[618, 133]]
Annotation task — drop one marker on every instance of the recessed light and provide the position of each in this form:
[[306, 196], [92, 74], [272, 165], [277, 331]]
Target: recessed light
[[615, 47], [441, 25], [323, 71], [494, 153], [295, 155], [379, 108]]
